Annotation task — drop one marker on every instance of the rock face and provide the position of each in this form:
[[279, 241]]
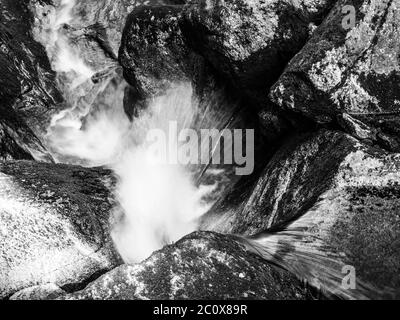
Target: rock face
[[350, 70], [156, 53], [17, 140], [360, 218], [334, 189], [301, 171], [109, 15], [250, 42], [45, 292], [291, 183], [326, 200], [200, 266], [153, 51], [236, 47], [54, 225], [247, 43], [155, 56], [28, 94]]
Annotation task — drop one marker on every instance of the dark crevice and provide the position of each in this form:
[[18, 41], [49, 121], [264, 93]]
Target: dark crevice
[[75, 287]]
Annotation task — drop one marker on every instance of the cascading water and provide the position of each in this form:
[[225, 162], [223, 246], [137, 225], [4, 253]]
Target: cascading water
[[64, 58], [158, 202], [295, 249]]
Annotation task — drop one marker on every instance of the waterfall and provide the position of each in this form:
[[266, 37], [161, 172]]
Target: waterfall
[[158, 202]]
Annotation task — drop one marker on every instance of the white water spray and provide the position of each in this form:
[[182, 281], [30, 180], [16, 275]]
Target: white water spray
[[296, 249], [64, 58], [158, 203]]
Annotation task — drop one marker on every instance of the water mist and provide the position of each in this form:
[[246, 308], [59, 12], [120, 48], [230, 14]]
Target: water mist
[[158, 202]]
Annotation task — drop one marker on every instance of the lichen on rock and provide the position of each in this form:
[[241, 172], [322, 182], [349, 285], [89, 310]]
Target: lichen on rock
[[349, 70], [54, 225]]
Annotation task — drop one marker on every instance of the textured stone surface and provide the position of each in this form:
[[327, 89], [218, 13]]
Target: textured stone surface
[[153, 52], [297, 176], [292, 181], [360, 218], [28, 94], [250, 42], [200, 266], [17, 140], [336, 190], [349, 70], [44, 292], [54, 222], [325, 199], [111, 15], [156, 54], [162, 45]]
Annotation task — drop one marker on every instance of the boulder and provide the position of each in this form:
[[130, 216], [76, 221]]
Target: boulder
[[155, 58], [110, 16], [18, 141], [156, 54], [303, 169], [358, 220], [200, 266], [44, 292], [153, 52], [250, 42], [331, 188], [28, 92], [54, 225], [350, 69], [292, 181], [162, 45]]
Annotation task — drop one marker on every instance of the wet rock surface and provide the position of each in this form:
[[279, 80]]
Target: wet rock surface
[[327, 186], [153, 51], [245, 44], [156, 53], [301, 171], [360, 218], [352, 70], [45, 292], [28, 93], [293, 181], [250, 42], [54, 225], [200, 266], [326, 180]]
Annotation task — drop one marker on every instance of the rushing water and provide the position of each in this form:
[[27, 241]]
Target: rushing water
[[158, 202]]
